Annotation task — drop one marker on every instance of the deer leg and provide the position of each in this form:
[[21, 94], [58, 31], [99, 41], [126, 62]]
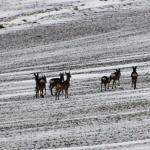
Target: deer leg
[[67, 93], [113, 84], [59, 93], [135, 85], [41, 93], [132, 84], [37, 92], [118, 82], [108, 86], [105, 86], [45, 90], [56, 95], [51, 89]]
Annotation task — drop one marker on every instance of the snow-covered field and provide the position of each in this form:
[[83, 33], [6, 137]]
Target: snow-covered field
[[93, 37]]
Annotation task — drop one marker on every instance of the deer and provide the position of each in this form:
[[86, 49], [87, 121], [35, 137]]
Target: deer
[[63, 85], [44, 80], [115, 77], [40, 85], [105, 81], [134, 76], [53, 82]]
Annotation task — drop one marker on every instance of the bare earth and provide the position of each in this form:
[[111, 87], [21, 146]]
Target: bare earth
[[94, 43]]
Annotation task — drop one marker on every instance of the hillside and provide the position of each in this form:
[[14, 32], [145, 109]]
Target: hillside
[[93, 38]]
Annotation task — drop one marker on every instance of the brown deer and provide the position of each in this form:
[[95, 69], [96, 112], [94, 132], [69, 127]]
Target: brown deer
[[63, 85], [105, 81], [134, 76], [43, 81], [40, 85], [54, 81], [115, 77]]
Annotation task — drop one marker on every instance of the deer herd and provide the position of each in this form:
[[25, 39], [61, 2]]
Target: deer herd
[[59, 83], [62, 85]]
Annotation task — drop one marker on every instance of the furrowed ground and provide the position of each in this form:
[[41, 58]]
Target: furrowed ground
[[93, 45]]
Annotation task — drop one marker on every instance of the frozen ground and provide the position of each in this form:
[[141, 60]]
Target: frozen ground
[[94, 40], [20, 14]]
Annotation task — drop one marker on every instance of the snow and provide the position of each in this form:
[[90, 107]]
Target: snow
[[24, 14], [120, 146], [51, 36]]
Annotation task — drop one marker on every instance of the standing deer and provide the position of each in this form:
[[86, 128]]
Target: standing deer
[[63, 85], [44, 80], [105, 80], [115, 77], [54, 81], [40, 85], [134, 76]]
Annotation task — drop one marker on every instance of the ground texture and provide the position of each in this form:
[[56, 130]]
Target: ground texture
[[93, 42]]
